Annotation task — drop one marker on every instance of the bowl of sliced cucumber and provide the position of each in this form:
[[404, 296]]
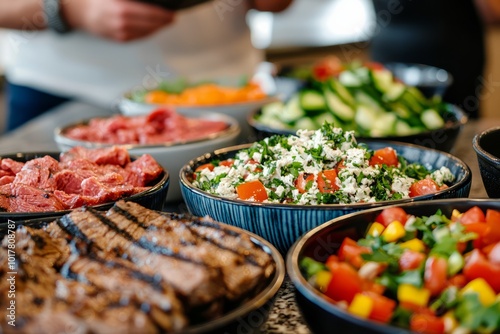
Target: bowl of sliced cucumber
[[373, 102]]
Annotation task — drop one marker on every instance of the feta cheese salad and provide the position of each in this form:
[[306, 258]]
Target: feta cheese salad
[[325, 166]]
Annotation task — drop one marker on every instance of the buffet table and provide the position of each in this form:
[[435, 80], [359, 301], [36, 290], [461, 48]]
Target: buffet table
[[37, 135]]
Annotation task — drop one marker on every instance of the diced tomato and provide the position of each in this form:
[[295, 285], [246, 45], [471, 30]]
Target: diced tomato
[[374, 287], [302, 180], [327, 181], [383, 307], [375, 66], [426, 323], [384, 156], [493, 221], [481, 229], [327, 68], [340, 166], [389, 215], [435, 275], [227, 163], [423, 187], [476, 266], [473, 215], [252, 189], [458, 280], [351, 252], [416, 308], [410, 260], [208, 166], [345, 282], [494, 254], [331, 259]]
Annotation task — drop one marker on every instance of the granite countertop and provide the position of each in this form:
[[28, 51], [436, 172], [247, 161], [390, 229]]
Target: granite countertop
[[285, 317]]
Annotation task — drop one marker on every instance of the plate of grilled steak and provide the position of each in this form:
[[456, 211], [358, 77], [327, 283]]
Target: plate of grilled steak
[[44, 184], [135, 270]]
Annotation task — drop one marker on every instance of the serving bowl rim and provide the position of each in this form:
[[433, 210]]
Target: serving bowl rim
[[233, 129], [456, 111], [450, 79], [184, 181], [322, 301], [257, 301], [482, 152], [161, 182], [267, 99]]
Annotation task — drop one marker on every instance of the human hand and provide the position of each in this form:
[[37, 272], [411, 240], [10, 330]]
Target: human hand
[[119, 20]]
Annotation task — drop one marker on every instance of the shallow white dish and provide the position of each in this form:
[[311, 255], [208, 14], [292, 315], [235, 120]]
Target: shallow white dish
[[171, 156]]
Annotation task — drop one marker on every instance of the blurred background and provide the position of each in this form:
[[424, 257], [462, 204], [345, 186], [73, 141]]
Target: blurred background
[[309, 30]]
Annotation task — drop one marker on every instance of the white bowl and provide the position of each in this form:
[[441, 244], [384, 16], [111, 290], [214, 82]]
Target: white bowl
[[284, 87], [171, 156]]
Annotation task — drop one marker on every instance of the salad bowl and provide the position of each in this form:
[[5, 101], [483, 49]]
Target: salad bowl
[[282, 224], [320, 312]]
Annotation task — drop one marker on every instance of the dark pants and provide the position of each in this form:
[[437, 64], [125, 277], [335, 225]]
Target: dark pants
[[24, 104]]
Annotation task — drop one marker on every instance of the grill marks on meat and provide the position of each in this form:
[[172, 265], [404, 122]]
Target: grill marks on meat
[[84, 177], [110, 297], [239, 261], [130, 270]]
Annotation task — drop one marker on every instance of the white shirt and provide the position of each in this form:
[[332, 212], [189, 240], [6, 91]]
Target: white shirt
[[203, 43]]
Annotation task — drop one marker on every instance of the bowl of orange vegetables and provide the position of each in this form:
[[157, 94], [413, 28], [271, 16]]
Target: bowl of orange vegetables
[[421, 267], [235, 98]]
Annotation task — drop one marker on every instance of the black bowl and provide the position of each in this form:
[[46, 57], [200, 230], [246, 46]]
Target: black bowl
[[153, 198], [442, 139], [487, 147], [320, 313], [430, 80]]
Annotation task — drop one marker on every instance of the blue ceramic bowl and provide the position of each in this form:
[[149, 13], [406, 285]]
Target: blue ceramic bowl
[[153, 198], [442, 139], [486, 145], [283, 224], [319, 312]]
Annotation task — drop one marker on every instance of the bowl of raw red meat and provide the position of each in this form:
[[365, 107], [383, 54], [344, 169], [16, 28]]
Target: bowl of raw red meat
[[50, 184], [169, 137]]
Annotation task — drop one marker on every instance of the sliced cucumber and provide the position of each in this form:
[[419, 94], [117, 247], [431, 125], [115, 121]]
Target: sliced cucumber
[[273, 109], [349, 79], [338, 108], [368, 101], [404, 129], [382, 79], [431, 119], [326, 117], [312, 100], [292, 111], [342, 92], [306, 123], [384, 125], [394, 92], [411, 102], [365, 117]]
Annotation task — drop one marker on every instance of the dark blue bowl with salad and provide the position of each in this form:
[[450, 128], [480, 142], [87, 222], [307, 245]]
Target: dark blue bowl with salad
[[421, 267], [372, 101], [283, 186]]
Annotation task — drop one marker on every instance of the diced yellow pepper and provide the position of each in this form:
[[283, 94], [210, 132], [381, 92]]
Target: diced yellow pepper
[[485, 292], [450, 322], [416, 245], [394, 231], [375, 229], [411, 294], [361, 305], [455, 215], [323, 278]]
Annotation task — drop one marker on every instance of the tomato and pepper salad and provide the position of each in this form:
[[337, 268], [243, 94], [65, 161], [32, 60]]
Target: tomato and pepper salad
[[325, 166], [430, 274]]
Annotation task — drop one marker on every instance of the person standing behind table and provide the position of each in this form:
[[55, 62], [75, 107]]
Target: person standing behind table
[[448, 34], [94, 50]]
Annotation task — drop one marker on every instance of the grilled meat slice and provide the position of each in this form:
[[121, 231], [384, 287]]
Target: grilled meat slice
[[192, 279], [242, 264]]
